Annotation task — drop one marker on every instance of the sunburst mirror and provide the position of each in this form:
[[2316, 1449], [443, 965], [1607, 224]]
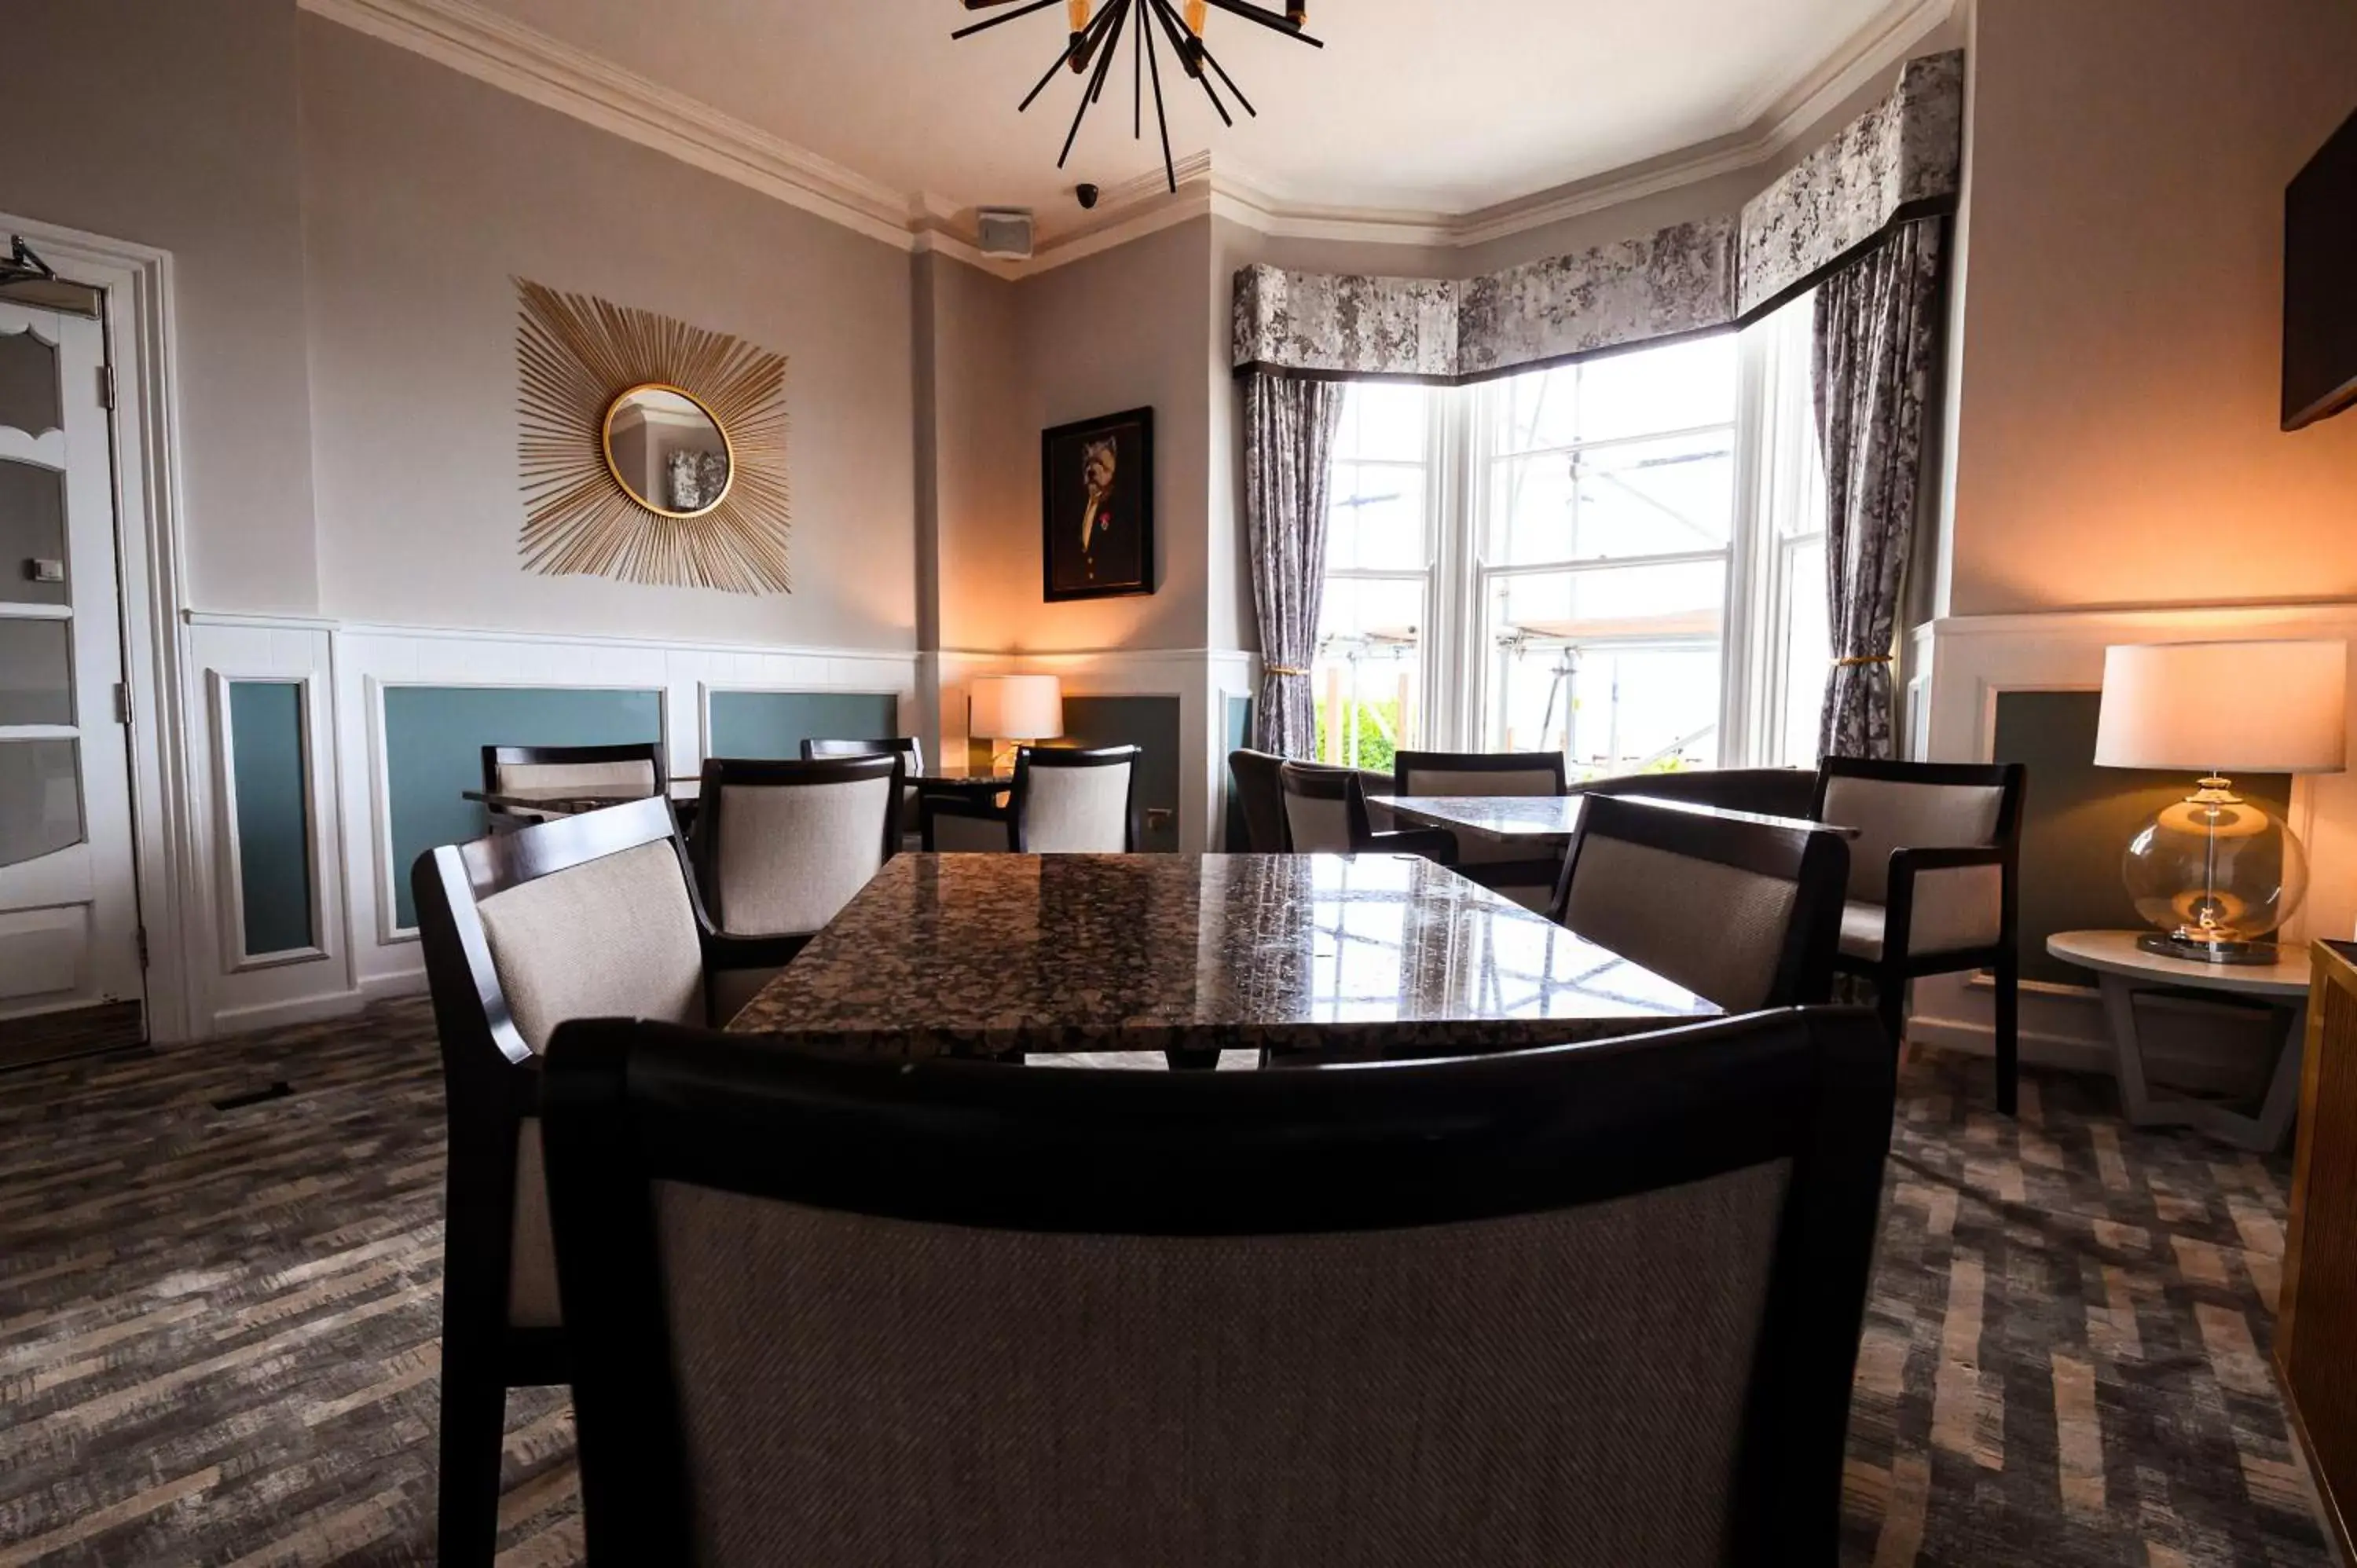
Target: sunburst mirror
[[652, 451]]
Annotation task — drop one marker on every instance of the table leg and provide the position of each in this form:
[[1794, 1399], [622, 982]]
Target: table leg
[[2263, 1134]]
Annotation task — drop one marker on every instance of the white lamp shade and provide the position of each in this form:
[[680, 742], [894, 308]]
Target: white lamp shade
[[1016, 707], [2229, 707]]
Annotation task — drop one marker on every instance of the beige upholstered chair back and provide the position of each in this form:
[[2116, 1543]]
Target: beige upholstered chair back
[[590, 778], [1079, 811], [1565, 1388], [1718, 930], [787, 857], [1961, 907], [1315, 826], [614, 937], [1450, 781]]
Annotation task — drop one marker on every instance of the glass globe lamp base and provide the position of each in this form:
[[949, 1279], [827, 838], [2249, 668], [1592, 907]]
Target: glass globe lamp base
[[2197, 950]]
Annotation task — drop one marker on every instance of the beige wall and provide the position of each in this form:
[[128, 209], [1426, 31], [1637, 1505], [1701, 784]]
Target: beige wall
[[175, 125], [425, 194], [2117, 437]]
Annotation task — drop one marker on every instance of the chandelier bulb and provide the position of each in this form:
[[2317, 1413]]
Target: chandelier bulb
[[1190, 48], [1297, 13], [1197, 13], [1078, 52]]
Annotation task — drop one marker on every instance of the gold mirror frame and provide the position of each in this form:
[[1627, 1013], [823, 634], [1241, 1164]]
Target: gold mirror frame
[[606, 447]]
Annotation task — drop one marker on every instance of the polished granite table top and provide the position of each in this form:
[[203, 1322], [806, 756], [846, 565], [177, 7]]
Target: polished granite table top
[[1342, 957], [1549, 819]]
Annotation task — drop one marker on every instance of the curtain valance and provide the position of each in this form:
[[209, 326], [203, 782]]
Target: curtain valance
[[1901, 159]]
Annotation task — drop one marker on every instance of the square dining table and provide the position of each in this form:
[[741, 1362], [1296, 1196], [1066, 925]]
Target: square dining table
[[1323, 956]]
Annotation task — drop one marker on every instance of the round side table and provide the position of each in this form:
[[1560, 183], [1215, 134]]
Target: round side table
[[2123, 969]]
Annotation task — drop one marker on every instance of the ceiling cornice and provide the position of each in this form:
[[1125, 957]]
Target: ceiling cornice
[[482, 44]]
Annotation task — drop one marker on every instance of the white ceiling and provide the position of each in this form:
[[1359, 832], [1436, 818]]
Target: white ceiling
[[1429, 106]]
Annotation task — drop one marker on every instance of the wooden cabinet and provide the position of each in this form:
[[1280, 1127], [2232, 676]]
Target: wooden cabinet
[[2316, 1324]]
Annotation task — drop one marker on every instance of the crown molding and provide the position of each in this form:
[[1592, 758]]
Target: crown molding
[[479, 43], [529, 63]]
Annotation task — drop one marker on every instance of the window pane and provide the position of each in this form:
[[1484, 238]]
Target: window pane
[[1646, 498], [32, 528], [1364, 678], [1677, 388], [1382, 420], [36, 672], [29, 397], [40, 799], [1619, 669], [1376, 519], [1538, 409], [1807, 651]]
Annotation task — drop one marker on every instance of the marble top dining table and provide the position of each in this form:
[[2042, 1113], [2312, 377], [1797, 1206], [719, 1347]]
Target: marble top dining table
[[1335, 958], [1549, 820]]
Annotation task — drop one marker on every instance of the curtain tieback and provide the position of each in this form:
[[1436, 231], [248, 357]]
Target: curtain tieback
[[1283, 669], [1869, 659]]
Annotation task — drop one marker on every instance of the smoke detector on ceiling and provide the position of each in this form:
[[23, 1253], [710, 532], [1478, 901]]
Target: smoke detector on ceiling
[[1004, 232]]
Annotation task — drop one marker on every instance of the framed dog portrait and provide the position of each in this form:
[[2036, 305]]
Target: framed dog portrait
[[1096, 501]]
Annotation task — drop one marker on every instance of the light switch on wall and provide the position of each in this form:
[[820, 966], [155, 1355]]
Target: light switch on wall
[[44, 569]]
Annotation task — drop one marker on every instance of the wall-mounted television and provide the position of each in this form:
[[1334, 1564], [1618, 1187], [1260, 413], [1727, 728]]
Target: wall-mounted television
[[2321, 284]]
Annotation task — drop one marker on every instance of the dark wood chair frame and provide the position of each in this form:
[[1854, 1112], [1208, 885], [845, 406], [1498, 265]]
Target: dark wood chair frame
[[1489, 874], [1892, 972], [908, 747], [1283, 1152], [492, 1081], [1027, 758], [498, 756], [1816, 864], [1316, 781], [767, 773]]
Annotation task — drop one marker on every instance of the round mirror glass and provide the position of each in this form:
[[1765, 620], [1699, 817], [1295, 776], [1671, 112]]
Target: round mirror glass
[[667, 450]]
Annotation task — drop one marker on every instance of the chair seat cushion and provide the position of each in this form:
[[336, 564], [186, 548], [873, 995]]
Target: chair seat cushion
[[1861, 930], [532, 1248]]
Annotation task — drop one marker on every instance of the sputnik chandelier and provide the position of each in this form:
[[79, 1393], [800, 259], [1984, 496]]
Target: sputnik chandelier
[[1092, 43]]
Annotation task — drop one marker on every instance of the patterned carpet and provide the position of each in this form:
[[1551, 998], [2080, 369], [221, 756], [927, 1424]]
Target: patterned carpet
[[217, 1326]]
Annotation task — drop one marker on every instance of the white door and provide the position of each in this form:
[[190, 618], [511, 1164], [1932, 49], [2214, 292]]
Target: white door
[[69, 902]]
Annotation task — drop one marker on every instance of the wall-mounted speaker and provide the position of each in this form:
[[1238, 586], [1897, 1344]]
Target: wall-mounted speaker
[[1004, 232]]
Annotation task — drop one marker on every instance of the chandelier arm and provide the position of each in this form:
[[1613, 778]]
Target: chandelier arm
[[1270, 20], [967, 32], [1154, 64], [1063, 59], [1177, 35], [1137, 87], [1121, 9], [1088, 94], [1214, 63]]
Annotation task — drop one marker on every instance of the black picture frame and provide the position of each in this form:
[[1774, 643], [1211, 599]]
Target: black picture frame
[[1113, 556]]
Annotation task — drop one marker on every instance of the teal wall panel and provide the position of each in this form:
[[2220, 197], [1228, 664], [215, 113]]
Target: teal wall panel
[[1148, 722], [775, 723], [274, 819], [2077, 820], [434, 740]]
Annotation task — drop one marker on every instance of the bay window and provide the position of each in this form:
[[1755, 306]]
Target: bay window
[[1622, 559]]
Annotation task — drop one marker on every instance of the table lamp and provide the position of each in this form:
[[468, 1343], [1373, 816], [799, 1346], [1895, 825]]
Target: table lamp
[[2215, 872], [1010, 709]]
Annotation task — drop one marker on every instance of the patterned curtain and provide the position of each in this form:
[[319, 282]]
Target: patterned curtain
[[1877, 325], [1289, 428]]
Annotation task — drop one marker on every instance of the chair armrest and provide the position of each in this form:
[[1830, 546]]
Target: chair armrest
[[1906, 864], [1438, 845]]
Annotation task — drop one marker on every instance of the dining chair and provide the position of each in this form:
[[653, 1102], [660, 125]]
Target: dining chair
[[779, 847], [1260, 798], [1502, 867], [1588, 1305], [1934, 884], [635, 768], [1326, 814], [907, 748], [1061, 800], [1766, 791], [1745, 914], [580, 914]]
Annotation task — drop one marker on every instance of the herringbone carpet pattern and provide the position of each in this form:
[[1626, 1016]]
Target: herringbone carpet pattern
[[217, 1326]]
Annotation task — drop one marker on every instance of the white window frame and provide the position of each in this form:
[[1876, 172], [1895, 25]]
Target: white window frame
[[1456, 684]]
